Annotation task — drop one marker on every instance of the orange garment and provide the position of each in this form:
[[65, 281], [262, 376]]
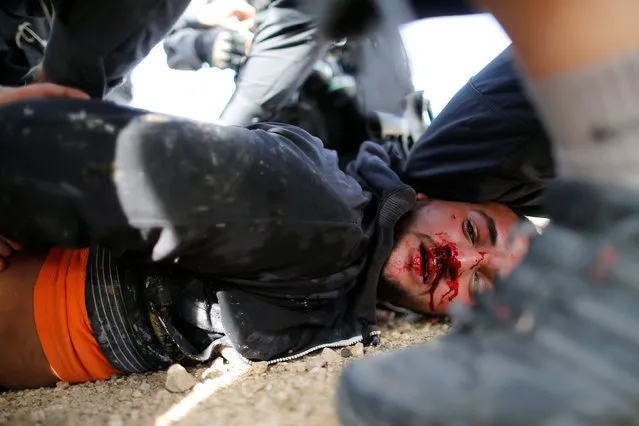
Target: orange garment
[[62, 321]]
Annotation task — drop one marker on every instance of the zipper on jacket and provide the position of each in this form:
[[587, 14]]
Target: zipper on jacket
[[339, 344]]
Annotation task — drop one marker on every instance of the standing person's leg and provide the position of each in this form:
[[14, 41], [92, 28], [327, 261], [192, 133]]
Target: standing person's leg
[[580, 58], [284, 50], [557, 342], [208, 197]]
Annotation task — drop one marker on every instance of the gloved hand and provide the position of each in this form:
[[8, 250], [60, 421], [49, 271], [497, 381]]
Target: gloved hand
[[229, 49], [180, 50], [188, 48]]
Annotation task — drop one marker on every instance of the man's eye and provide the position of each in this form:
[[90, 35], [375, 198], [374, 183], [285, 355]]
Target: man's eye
[[470, 231], [479, 284]]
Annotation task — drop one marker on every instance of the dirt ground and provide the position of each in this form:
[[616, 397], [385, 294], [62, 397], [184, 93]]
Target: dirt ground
[[227, 394]]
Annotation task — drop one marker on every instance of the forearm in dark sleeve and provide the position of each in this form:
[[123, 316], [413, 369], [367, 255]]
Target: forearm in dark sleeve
[[212, 198], [94, 44]]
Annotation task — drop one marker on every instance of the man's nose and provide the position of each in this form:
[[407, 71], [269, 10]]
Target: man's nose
[[470, 258]]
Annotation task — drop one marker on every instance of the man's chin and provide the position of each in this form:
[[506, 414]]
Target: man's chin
[[391, 291]]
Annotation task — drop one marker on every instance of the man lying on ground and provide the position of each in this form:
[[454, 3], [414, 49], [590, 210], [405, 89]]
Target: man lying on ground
[[202, 236]]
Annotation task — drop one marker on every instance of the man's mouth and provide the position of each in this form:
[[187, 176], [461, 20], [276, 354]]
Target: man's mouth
[[417, 262], [427, 268], [424, 263]]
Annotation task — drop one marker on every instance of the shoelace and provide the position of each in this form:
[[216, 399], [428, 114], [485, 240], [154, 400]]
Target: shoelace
[[27, 34]]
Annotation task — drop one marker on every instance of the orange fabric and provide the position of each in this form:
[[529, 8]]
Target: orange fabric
[[62, 321]]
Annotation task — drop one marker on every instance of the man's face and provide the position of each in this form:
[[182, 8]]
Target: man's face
[[450, 251]]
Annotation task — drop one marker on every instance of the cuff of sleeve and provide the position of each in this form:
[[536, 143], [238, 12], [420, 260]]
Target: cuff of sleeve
[[67, 63]]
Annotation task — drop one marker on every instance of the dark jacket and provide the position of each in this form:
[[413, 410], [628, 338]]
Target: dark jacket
[[282, 319], [95, 44], [258, 237]]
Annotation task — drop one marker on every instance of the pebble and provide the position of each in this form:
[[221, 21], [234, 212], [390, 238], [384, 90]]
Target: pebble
[[316, 362], [330, 355], [178, 379], [145, 386], [62, 385], [346, 353], [357, 350], [136, 394], [259, 367]]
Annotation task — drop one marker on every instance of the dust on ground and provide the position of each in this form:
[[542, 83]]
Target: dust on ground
[[300, 392]]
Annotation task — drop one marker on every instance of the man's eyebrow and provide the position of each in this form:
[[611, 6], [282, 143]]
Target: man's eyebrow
[[490, 224]]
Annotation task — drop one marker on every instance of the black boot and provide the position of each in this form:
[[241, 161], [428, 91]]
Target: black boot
[[557, 343]]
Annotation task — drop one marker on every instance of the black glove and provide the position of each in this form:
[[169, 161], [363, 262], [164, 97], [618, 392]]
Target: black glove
[[181, 53], [188, 48], [222, 48]]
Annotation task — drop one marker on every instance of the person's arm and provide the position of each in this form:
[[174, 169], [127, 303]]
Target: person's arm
[[214, 199], [13, 94], [95, 44], [284, 50]]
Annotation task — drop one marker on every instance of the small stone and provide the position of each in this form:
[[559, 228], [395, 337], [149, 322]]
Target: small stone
[[346, 353], [259, 367], [178, 379], [330, 355], [62, 385], [145, 386], [136, 394], [357, 350], [316, 362], [115, 376]]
